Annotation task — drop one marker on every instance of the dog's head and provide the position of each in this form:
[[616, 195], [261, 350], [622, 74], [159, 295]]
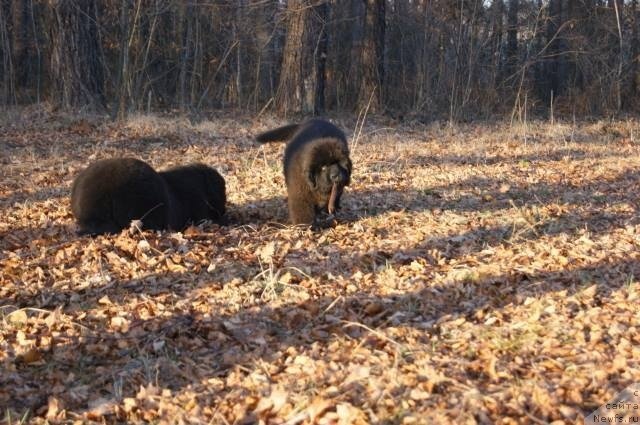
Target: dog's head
[[326, 164], [326, 176]]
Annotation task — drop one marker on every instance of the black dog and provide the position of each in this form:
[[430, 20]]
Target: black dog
[[317, 167], [110, 193], [197, 193]]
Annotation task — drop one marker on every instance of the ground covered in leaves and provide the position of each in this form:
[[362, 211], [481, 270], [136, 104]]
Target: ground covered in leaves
[[480, 273]]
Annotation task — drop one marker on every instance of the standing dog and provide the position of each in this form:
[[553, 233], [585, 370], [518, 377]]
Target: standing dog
[[317, 167]]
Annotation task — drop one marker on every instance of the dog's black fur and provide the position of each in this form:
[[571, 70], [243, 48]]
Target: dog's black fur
[[316, 158], [110, 193], [197, 193]]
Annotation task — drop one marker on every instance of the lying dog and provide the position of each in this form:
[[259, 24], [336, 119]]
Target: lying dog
[[110, 193]]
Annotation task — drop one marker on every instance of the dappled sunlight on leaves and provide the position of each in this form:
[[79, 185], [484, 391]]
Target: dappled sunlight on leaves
[[474, 275]]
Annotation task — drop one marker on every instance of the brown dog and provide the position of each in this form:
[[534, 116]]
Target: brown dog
[[317, 167]]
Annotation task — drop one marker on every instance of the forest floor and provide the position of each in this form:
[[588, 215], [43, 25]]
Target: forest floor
[[481, 273]]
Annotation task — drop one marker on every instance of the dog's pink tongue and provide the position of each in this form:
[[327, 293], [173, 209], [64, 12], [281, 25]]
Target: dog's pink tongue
[[332, 199]]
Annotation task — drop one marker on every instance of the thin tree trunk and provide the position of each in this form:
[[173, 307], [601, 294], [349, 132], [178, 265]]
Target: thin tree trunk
[[512, 38], [36, 43], [617, 11], [372, 55], [123, 71], [20, 36], [147, 38], [635, 50], [76, 64], [8, 73], [554, 63], [239, 36], [497, 29], [196, 61], [186, 54], [322, 11]]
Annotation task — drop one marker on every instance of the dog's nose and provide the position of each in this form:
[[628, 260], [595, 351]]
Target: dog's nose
[[335, 175]]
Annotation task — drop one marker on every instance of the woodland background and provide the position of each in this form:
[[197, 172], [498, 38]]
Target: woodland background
[[453, 59]]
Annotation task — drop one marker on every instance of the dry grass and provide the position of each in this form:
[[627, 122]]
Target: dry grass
[[478, 274]]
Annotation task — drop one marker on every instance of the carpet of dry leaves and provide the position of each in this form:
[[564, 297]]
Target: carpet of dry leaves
[[481, 273]]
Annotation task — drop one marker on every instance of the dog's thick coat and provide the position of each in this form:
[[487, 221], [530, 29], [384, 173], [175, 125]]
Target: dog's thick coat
[[317, 167], [197, 193], [110, 193]]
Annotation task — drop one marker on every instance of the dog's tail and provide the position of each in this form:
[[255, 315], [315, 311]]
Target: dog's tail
[[279, 134]]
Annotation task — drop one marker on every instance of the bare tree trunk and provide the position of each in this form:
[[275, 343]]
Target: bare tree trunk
[[617, 7], [372, 55], [512, 38], [322, 15], [76, 66], [314, 58], [8, 72], [20, 41], [238, 29], [197, 66], [635, 50], [123, 69], [186, 35], [142, 89], [577, 14], [290, 93], [554, 63], [497, 13], [36, 44]]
